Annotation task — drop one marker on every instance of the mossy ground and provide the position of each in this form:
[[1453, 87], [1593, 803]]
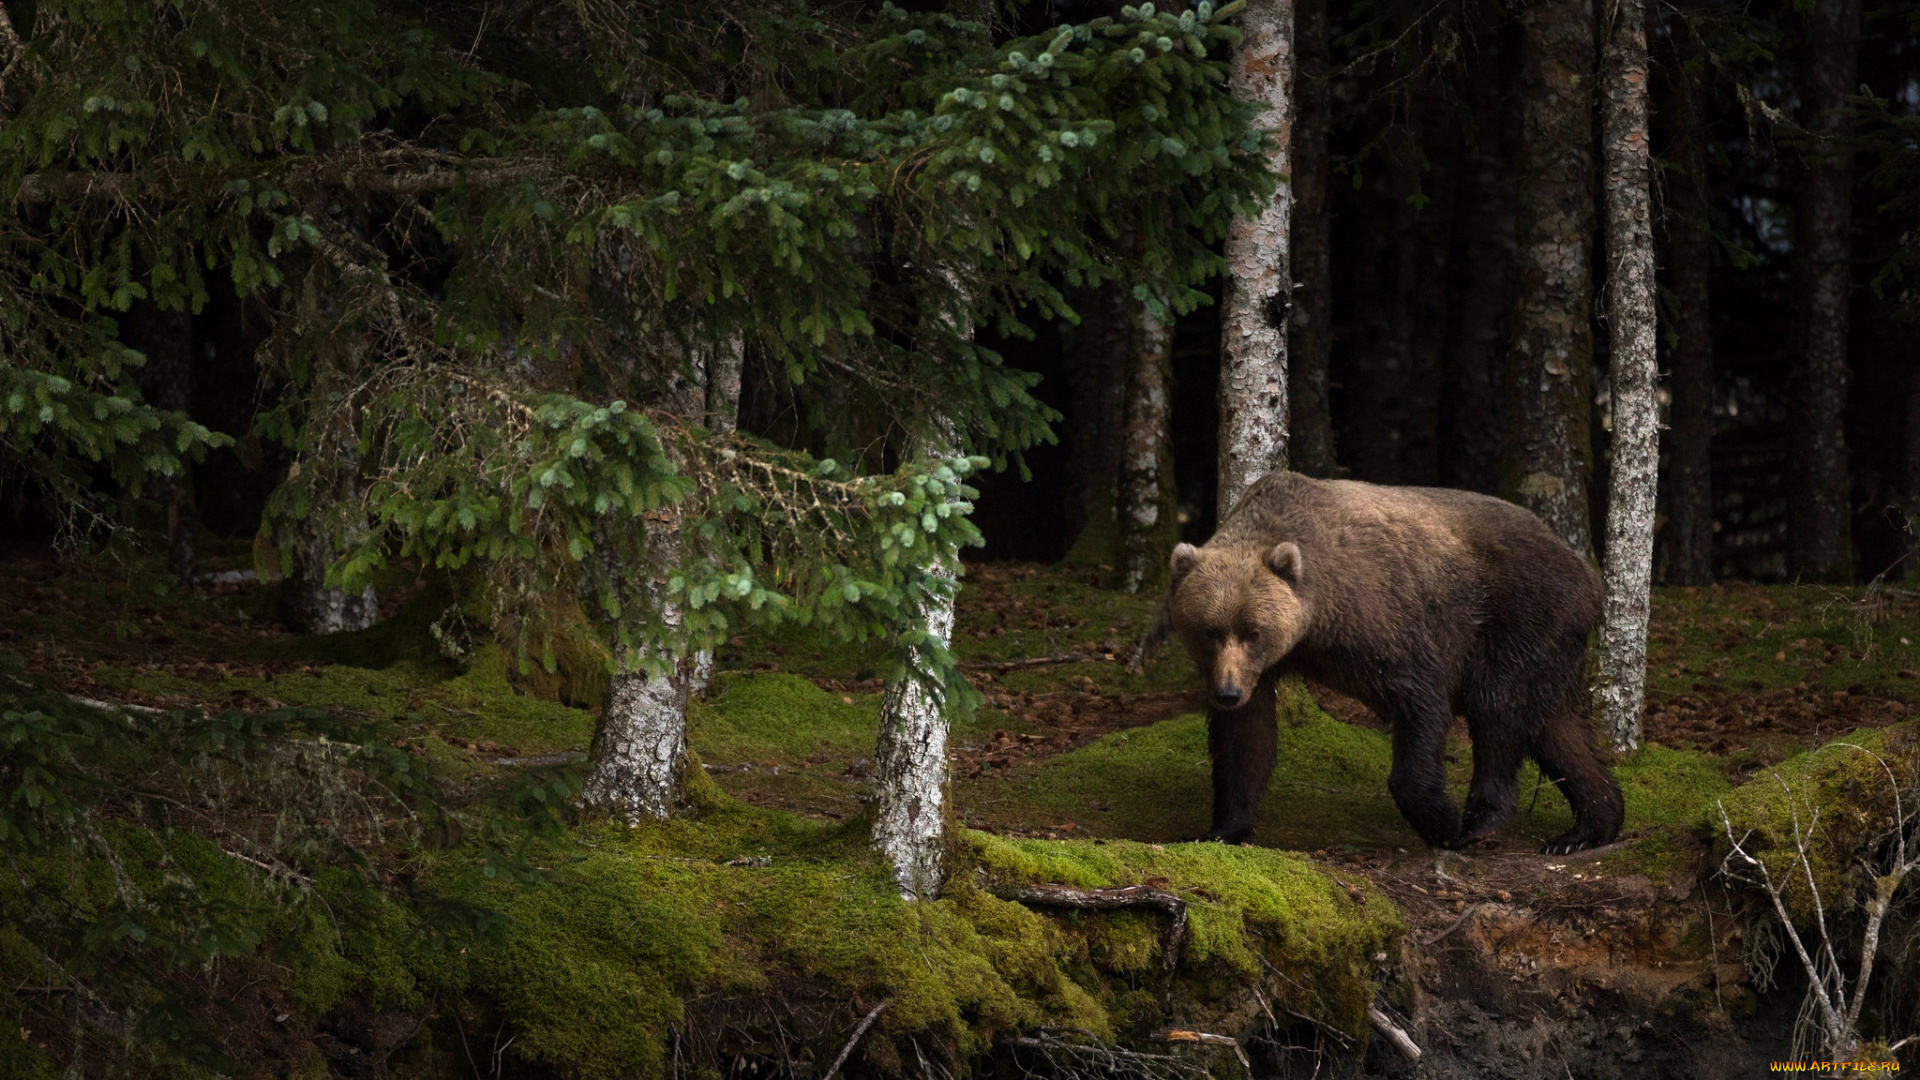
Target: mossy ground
[[638, 932]]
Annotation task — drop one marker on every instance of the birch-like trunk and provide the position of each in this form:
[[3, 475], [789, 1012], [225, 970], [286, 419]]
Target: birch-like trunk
[[640, 747], [1310, 331], [1690, 431], [1146, 504], [910, 758], [1819, 545], [1547, 455], [1253, 371], [1634, 376]]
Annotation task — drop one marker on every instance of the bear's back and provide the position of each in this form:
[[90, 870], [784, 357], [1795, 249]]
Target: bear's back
[[1403, 543]]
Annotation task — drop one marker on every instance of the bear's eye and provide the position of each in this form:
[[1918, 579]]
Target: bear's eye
[[1250, 636]]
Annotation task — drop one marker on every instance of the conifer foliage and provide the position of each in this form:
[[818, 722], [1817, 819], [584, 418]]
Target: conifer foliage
[[485, 244]]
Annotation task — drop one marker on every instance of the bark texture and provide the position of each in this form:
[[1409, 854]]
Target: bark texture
[[723, 386], [320, 608], [640, 747], [1482, 296], [1310, 330], [641, 751], [1819, 544], [1253, 372], [1146, 479], [1690, 434], [1634, 374], [910, 773], [1099, 351], [1547, 455], [910, 758]]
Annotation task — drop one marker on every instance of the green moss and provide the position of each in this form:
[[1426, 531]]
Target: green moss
[[1843, 797], [598, 962], [1248, 907], [481, 705], [477, 706], [1742, 637], [1155, 783]]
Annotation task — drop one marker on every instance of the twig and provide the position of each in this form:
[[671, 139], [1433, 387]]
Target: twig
[[1032, 661], [1457, 924], [1108, 900], [834, 1069], [1400, 1039], [1207, 1039]]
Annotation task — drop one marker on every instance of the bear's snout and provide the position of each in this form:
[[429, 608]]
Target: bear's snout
[[1228, 696]]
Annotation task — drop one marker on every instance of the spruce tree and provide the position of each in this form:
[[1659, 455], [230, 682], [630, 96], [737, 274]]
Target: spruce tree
[[489, 254]]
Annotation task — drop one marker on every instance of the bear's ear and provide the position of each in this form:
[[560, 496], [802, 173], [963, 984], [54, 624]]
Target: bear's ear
[[1185, 558], [1284, 560]]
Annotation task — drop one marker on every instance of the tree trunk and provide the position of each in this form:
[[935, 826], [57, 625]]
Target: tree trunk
[[1690, 435], [910, 758], [722, 375], [1146, 487], [1634, 375], [1253, 372], [1547, 456], [640, 746], [1099, 378], [1910, 487], [1310, 331], [1483, 296], [1428, 313], [166, 337], [320, 608], [1378, 389], [1819, 545]]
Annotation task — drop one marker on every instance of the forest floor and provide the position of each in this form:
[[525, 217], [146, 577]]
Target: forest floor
[[1634, 958]]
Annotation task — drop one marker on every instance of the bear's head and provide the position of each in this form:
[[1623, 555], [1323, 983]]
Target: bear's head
[[1239, 612]]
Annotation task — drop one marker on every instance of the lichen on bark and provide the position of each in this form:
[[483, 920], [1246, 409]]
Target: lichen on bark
[[1547, 456], [1253, 371], [1146, 513], [1633, 375]]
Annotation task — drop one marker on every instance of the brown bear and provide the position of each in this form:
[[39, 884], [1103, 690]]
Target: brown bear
[[1418, 602]]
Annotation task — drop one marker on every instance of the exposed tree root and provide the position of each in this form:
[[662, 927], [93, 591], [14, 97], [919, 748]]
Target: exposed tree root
[[1125, 896]]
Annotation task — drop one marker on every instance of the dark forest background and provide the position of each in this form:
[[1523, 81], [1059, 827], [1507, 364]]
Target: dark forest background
[[1404, 297], [1420, 177]]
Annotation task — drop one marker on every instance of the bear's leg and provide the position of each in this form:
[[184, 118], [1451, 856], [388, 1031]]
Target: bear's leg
[[1567, 755], [1418, 781], [1242, 744], [1494, 794]]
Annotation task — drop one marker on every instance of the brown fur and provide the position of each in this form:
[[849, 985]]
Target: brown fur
[[1420, 602]]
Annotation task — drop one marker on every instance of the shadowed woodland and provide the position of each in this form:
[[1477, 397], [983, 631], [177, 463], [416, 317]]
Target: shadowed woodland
[[617, 539]]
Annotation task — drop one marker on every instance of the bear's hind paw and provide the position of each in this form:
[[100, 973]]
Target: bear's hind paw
[[1568, 843]]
